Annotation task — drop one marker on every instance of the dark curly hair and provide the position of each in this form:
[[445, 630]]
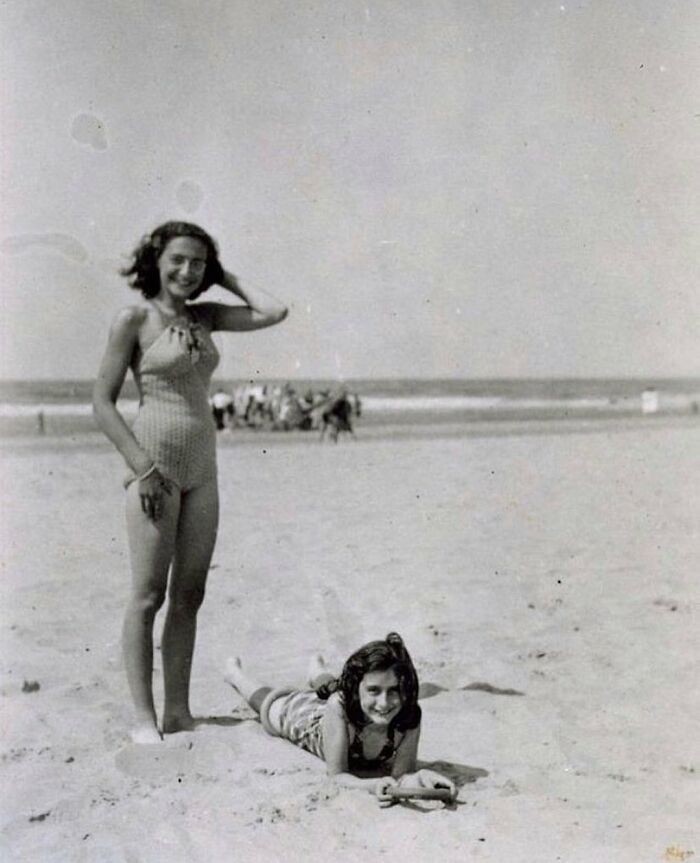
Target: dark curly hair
[[390, 654], [143, 274]]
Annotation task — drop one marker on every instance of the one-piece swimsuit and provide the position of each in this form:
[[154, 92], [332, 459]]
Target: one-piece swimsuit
[[174, 424], [301, 722]]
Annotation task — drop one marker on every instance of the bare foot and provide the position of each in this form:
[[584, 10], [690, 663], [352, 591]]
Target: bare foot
[[145, 734], [174, 722], [237, 677], [234, 671]]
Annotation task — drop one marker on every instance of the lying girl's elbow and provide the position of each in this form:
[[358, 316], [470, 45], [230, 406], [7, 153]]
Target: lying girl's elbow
[[335, 768]]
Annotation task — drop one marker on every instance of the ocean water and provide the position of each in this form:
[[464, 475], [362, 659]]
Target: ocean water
[[60, 406], [57, 392]]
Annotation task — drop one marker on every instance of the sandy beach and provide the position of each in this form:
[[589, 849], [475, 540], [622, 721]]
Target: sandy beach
[[544, 580]]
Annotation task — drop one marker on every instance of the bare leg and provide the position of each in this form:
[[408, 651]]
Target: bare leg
[[151, 545], [318, 672], [194, 546], [252, 690]]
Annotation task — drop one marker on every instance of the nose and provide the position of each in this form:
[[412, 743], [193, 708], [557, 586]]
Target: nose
[[382, 700]]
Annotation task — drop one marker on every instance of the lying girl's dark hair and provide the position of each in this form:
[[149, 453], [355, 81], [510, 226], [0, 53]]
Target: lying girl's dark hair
[[390, 654], [143, 274]]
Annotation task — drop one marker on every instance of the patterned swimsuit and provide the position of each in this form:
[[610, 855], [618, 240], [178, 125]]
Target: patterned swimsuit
[[301, 722], [174, 424]]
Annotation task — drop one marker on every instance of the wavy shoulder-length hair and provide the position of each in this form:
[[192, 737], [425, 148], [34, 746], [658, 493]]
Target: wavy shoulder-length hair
[[390, 654], [143, 275]]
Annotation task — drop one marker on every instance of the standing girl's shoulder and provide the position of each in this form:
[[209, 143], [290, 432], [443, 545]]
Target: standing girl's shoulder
[[123, 342], [129, 319], [133, 328]]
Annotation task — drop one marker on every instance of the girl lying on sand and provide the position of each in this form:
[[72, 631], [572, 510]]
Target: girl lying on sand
[[364, 724]]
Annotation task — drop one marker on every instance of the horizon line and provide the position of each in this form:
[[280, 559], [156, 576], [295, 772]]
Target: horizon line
[[341, 378]]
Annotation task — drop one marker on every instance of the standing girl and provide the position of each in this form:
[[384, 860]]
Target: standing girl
[[171, 491], [364, 724]]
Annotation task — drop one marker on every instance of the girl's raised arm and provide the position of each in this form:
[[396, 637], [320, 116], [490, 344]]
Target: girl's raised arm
[[260, 309]]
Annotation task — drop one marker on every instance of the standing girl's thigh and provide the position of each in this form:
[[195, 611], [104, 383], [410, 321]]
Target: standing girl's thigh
[[196, 536], [194, 545], [151, 543], [151, 546]]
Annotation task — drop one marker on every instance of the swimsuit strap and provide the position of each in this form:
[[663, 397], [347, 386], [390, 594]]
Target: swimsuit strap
[[188, 314], [387, 752], [188, 324]]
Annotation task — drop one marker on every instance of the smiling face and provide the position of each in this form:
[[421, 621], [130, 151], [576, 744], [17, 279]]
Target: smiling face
[[181, 266], [380, 696]]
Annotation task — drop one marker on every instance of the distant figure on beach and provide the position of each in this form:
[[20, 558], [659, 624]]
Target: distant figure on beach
[[337, 417], [222, 409], [172, 501], [256, 412], [364, 724]]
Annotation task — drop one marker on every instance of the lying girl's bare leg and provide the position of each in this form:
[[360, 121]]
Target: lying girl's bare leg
[[194, 546], [151, 545], [318, 672], [252, 690]]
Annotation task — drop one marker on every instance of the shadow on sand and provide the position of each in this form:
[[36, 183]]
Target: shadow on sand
[[218, 720], [460, 774], [428, 690]]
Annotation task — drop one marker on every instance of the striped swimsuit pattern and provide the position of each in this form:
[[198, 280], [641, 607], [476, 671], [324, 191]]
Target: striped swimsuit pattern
[[174, 424]]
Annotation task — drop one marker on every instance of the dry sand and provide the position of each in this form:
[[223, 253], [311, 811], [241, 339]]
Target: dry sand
[[560, 563]]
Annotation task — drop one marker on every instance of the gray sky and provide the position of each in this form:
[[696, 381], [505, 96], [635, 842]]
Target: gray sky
[[443, 188]]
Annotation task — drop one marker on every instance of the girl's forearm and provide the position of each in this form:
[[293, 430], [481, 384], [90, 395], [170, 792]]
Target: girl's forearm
[[257, 299], [115, 428], [348, 780]]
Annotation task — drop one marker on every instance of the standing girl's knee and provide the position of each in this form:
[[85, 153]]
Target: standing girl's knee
[[187, 598], [148, 601]]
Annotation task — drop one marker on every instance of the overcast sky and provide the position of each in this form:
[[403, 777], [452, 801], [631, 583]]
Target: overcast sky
[[436, 187]]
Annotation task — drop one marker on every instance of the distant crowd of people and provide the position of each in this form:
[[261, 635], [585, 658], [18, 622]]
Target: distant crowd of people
[[282, 408]]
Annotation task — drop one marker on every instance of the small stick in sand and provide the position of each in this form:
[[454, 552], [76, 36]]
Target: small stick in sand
[[419, 793]]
